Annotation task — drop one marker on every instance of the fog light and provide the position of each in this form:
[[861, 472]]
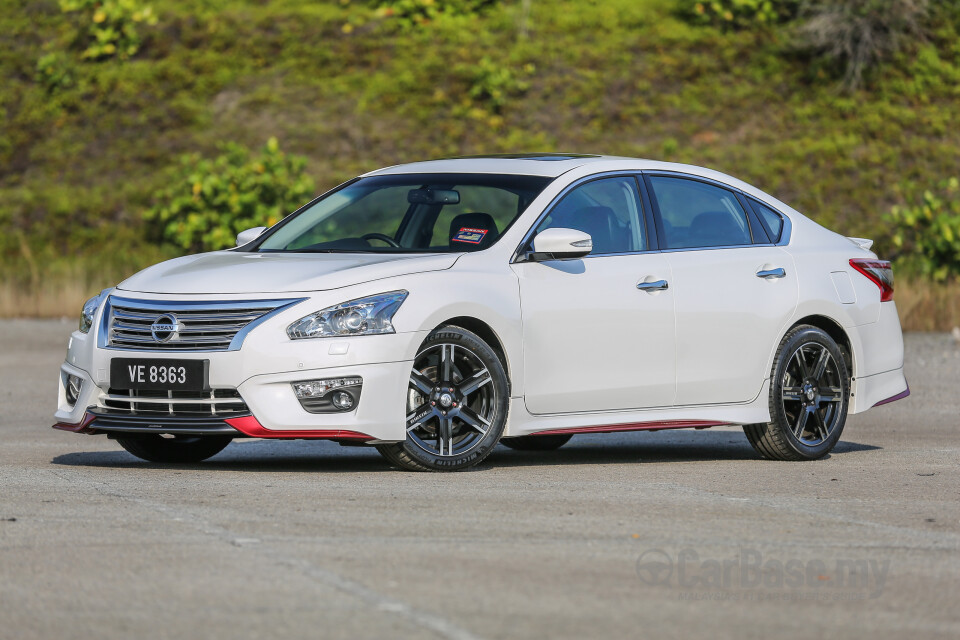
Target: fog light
[[72, 389], [329, 395], [342, 400]]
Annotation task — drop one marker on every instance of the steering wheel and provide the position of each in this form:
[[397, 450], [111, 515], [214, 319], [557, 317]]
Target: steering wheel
[[380, 236]]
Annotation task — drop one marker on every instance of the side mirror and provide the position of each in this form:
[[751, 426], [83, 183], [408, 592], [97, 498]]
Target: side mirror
[[248, 236], [560, 244]]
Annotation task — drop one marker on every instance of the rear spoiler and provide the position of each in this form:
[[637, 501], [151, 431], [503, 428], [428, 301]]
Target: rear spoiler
[[863, 243]]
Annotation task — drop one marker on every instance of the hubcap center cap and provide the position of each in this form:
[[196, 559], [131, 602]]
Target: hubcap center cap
[[446, 400]]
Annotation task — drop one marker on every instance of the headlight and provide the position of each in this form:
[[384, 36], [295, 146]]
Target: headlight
[[89, 310], [362, 317]]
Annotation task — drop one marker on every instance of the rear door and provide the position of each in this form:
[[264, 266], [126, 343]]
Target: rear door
[[734, 291], [593, 340]]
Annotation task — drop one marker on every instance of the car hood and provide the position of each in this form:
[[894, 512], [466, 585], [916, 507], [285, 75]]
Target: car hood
[[224, 272]]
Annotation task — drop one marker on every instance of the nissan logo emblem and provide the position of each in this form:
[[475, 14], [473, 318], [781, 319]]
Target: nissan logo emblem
[[165, 328]]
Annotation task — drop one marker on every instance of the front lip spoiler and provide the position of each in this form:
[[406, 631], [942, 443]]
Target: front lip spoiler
[[250, 426], [104, 422], [238, 426], [78, 427]]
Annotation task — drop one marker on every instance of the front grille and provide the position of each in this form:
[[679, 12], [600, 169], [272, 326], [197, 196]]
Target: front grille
[[217, 403], [152, 326]]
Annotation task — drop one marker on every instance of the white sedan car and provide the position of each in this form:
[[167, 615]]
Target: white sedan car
[[435, 309]]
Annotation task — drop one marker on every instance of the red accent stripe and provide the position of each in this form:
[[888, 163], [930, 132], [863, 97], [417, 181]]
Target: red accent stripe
[[79, 427], [635, 426], [248, 425], [899, 396]]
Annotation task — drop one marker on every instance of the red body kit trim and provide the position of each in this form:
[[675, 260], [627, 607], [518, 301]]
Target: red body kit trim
[[899, 396], [635, 426], [250, 426], [80, 427]]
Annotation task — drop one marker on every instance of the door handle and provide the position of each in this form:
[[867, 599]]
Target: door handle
[[657, 285], [770, 274]]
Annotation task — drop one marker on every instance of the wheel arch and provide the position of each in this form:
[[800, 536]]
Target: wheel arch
[[833, 329], [485, 332]]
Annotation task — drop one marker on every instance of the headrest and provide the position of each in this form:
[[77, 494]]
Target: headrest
[[472, 231]]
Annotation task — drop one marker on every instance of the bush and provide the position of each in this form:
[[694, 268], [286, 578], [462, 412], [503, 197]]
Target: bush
[[492, 84], [409, 14], [54, 72], [417, 12], [926, 234], [110, 27], [855, 35], [210, 201], [739, 14]]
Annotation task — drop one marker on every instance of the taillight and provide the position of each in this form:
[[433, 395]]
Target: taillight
[[880, 272]]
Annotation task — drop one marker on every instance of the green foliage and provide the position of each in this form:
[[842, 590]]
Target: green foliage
[[738, 14], [81, 162], [493, 85], [926, 232], [110, 28], [854, 36], [54, 72], [209, 202], [411, 14]]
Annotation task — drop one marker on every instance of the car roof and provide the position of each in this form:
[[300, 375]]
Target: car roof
[[552, 165], [548, 165]]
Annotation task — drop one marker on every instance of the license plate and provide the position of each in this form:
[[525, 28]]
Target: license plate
[[159, 375]]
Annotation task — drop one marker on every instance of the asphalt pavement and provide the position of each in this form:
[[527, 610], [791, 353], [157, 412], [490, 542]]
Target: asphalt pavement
[[673, 534]]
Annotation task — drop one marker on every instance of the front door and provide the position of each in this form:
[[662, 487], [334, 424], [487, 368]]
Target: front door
[[598, 333]]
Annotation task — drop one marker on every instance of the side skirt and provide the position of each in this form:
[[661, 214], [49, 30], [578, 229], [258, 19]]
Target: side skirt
[[523, 423]]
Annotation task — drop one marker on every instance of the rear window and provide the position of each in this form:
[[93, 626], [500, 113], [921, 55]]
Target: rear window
[[772, 220], [696, 214]]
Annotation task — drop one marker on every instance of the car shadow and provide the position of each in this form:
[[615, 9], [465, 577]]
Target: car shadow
[[688, 447], [328, 457]]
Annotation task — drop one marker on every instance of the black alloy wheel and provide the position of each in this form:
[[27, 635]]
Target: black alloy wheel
[[809, 398], [456, 404]]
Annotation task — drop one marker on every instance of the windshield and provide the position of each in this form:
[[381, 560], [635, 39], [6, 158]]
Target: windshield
[[416, 213]]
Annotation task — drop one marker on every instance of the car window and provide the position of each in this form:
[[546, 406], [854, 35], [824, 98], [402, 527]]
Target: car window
[[502, 206], [408, 213], [378, 211], [608, 209], [696, 214], [771, 219]]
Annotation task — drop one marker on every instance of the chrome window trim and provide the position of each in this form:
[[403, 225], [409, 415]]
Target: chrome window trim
[[162, 306], [726, 246]]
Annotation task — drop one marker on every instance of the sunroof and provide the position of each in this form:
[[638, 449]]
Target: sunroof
[[543, 157]]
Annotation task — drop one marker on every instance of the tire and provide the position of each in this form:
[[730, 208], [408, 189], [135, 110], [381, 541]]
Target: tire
[[536, 443], [809, 398], [457, 403], [177, 449]]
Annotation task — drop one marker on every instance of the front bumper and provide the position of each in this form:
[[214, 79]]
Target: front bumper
[[274, 411], [261, 371]]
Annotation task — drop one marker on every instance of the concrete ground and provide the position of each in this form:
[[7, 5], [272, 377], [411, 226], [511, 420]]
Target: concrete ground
[[667, 534]]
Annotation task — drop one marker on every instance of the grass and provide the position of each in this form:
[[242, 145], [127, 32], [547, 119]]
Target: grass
[[79, 164]]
